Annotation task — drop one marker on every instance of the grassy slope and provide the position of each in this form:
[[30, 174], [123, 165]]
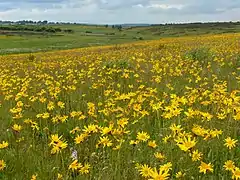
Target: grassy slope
[[33, 43], [96, 73]]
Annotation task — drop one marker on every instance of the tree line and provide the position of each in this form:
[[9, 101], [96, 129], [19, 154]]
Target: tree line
[[34, 29]]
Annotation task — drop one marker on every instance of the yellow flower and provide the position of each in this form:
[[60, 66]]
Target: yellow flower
[[145, 170], [59, 176], [85, 169], [204, 167], [17, 127], [107, 130], [180, 174], [166, 138], [57, 144], [230, 143], [175, 129], [162, 174], [2, 165], [54, 139], [196, 156], [199, 131], [74, 166], [105, 141], [76, 129], [92, 128], [19, 104], [58, 147], [142, 136], [229, 165], [61, 104], [166, 167], [122, 122], [215, 133], [236, 173], [132, 142], [74, 114], [45, 115], [137, 107], [152, 144], [34, 177], [50, 106], [3, 145], [80, 138], [186, 143], [159, 156]]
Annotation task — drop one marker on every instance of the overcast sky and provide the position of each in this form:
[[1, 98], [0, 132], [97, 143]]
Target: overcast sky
[[121, 11]]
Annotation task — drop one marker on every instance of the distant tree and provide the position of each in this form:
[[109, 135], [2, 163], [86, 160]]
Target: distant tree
[[45, 22], [120, 28], [68, 31], [106, 25], [113, 26], [58, 29]]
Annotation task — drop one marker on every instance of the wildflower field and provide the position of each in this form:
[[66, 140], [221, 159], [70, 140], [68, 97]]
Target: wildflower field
[[164, 109]]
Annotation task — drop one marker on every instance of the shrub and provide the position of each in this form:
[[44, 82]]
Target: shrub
[[203, 55], [121, 64], [31, 57]]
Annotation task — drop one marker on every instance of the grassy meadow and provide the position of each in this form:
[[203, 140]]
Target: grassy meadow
[[12, 42], [155, 110]]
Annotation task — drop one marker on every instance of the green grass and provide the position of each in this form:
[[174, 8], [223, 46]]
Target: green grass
[[106, 76], [100, 35]]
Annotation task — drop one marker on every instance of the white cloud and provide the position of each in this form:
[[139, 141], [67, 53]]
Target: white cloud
[[166, 6], [120, 11]]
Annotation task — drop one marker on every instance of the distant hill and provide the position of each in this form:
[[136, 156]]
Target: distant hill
[[192, 25], [135, 25]]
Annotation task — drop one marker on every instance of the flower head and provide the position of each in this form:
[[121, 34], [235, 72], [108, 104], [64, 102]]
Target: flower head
[[204, 167]]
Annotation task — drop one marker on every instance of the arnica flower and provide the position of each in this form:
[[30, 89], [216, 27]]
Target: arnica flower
[[80, 138], [196, 156], [92, 128], [74, 166], [45, 115], [180, 175], [152, 144], [3, 145], [55, 139], [76, 129], [58, 147], [132, 142], [166, 138], [2, 165], [159, 156], [105, 141], [236, 173], [61, 104], [57, 144], [229, 165], [17, 127], [175, 129], [142, 136], [145, 170], [166, 167], [34, 177], [162, 174], [204, 167], [85, 169], [59, 176], [230, 143], [186, 144]]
